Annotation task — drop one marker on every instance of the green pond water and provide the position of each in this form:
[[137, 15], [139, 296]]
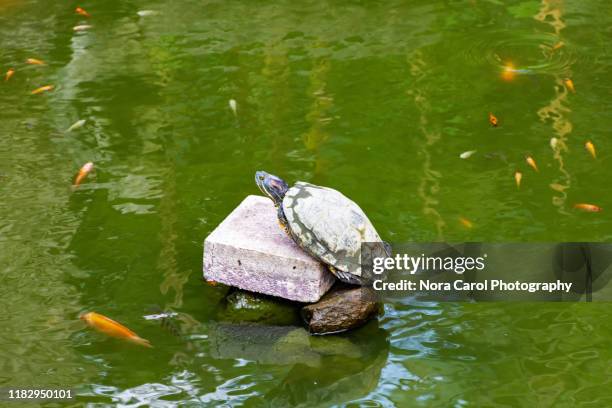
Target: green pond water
[[376, 100]]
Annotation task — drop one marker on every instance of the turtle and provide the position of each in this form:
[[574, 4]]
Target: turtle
[[324, 223]]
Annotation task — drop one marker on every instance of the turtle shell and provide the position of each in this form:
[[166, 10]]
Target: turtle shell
[[328, 225]]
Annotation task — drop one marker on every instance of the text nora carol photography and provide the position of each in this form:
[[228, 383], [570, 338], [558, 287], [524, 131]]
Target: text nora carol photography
[[460, 285]]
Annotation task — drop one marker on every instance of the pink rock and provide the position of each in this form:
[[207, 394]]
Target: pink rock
[[250, 251]]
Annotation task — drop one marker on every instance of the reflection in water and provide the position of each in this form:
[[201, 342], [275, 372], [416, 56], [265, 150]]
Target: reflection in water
[[318, 115], [325, 370], [272, 94], [167, 261], [430, 184], [557, 110]]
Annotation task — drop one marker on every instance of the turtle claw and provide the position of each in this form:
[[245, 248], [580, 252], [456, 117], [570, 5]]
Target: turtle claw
[[347, 277]]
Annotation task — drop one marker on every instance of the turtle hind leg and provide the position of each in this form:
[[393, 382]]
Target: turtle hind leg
[[347, 277]]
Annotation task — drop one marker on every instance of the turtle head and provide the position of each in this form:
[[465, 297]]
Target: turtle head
[[272, 186]]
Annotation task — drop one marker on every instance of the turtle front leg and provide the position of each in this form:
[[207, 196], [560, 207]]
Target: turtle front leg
[[284, 227], [282, 221]]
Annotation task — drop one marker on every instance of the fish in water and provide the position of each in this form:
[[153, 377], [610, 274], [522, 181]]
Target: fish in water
[[467, 155], [518, 176], [590, 148], [146, 13], [34, 61], [42, 89], [508, 73], [82, 12], [588, 207], [9, 74], [83, 172], [558, 45], [76, 125], [112, 328], [554, 142], [493, 120], [531, 162], [82, 27], [569, 84], [233, 106], [466, 223]]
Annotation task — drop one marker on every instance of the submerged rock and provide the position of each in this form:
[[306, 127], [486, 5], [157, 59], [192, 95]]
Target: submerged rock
[[350, 369], [290, 346], [277, 345], [343, 308], [243, 306]]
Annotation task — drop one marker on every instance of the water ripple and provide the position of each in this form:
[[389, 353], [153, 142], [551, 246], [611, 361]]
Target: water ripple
[[523, 54]]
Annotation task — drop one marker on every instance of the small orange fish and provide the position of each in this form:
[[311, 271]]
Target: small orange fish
[[518, 176], [531, 163], [570, 85], [112, 328], [82, 12], [466, 223], [508, 72], [42, 89], [83, 172], [590, 148], [588, 207], [558, 45], [34, 61], [492, 120], [9, 74], [212, 282]]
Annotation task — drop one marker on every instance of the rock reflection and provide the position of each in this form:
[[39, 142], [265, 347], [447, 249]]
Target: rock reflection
[[325, 370]]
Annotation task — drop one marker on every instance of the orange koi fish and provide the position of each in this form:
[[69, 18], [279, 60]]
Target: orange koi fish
[[82, 12], [570, 85], [558, 45], [531, 163], [509, 72], [466, 223], [212, 282], [112, 328], [492, 120], [518, 176], [34, 61], [83, 172], [590, 148], [42, 89], [588, 207], [9, 74]]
